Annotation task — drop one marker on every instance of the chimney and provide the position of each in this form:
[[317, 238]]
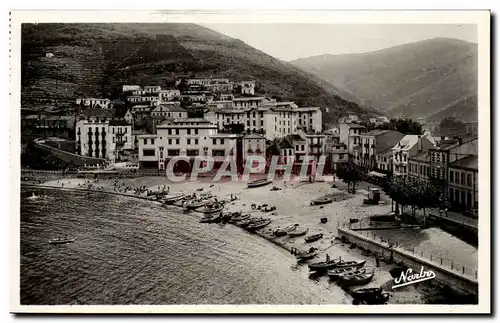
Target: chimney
[[419, 143]]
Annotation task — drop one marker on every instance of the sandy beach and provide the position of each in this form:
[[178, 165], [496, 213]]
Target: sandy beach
[[292, 204]]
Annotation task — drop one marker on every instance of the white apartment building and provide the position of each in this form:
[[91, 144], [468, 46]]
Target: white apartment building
[[152, 89], [350, 135], [179, 137], [169, 95], [93, 102], [126, 88], [103, 138], [251, 102], [170, 110], [409, 146], [248, 87]]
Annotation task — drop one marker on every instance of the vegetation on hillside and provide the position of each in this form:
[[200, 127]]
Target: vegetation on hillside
[[405, 126], [96, 59]]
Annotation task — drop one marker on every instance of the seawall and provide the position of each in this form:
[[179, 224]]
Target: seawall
[[449, 276]]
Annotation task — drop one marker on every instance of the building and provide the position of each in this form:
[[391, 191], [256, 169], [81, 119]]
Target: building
[[247, 87], [351, 118], [179, 137], [169, 95], [170, 110], [152, 89], [93, 102], [335, 150], [249, 102], [103, 138], [350, 135], [129, 117], [129, 88], [383, 159], [219, 87], [377, 141], [463, 183], [253, 145], [409, 146]]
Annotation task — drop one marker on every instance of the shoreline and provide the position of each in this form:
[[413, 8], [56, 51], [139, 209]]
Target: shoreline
[[292, 207]]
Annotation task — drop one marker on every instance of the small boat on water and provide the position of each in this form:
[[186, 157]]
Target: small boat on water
[[324, 265], [258, 225], [61, 241], [298, 232], [322, 200], [285, 231], [259, 183], [361, 279], [353, 263], [239, 217], [314, 237], [191, 205]]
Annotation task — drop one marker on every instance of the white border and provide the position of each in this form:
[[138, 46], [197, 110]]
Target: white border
[[481, 18]]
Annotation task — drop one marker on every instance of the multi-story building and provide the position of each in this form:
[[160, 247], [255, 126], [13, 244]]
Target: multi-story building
[[377, 141], [350, 135], [94, 103], [409, 146], [170, 110], [169, 95], [179, 137], [463, 183], [247, 87], [103, 138], [250, 102], [335, 150], [152, 89], [351, 118], [383, 161], [253, 145]]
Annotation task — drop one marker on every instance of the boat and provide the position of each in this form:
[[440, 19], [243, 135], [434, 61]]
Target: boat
[[379, 299], [240, 217], [191, 205], [172, 199], [361, 279], [259, 183], [209, 218], [208, 209], [335, 273], [258, 225], [322, 200], [314, 237], [353, 263], [301, 256], [285, 231], [324, 265], [365, 293], [298, 233], [352, 273], [61, 241]]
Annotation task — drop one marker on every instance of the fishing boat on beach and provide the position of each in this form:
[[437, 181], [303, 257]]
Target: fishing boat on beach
[[210, 218], [298, 232], [172, 199], [259, 183], [285, 231], [352, 273], [61, 241], [370, 296], [335, 273], [365, 293], [194, 204], [322, 200], [240, 217], [209, 208], [314, 237], [258, 225], [324, 265], [353, 263], [303, 256], [361, 279]]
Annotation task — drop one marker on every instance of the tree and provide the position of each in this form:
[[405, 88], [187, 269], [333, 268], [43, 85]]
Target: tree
[[405, 126], [274, 148], [451, 127], [352, 174]]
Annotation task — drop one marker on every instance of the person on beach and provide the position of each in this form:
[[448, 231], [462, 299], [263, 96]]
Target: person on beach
[[327, 257], [377, 262]]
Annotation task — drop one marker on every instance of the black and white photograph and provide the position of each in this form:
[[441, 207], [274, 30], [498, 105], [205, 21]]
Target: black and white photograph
[[178, 159]]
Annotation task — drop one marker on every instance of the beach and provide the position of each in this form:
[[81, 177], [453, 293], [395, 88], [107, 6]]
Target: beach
[[292, 202]]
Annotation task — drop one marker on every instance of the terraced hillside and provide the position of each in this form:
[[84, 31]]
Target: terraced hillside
[[96, 59]]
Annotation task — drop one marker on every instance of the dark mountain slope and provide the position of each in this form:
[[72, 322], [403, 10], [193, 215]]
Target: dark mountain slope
[[413, 80], [96, 59]]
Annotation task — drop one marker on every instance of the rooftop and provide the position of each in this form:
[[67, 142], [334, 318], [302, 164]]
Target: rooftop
[[421, 156], [469, 162], [407, 142], [249, 98], [253, 136]]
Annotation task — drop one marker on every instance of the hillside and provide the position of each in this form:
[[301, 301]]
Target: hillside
[[96, 59], [427, 79]]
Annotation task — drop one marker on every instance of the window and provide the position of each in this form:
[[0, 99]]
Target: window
[[196, 132], [173, 152], [176, 131], [457, 196], [188, 131], [177, 141], [113, 139], [462, 179], [188, 141], [302, 147], [170, 141], [152, 141], [148, 152], [222, 141], [145, 141], [218, 152], [451, 176], [192, 152], [469, 180], [169, 131], [196, 141], [214, 141]]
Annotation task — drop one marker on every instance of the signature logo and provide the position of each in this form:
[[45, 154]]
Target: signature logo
[[408, 277]]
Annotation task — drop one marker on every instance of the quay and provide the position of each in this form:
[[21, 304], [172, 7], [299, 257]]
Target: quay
[[460, 279]]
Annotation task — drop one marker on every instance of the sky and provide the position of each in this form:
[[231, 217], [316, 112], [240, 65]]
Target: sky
[[291, 41]]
